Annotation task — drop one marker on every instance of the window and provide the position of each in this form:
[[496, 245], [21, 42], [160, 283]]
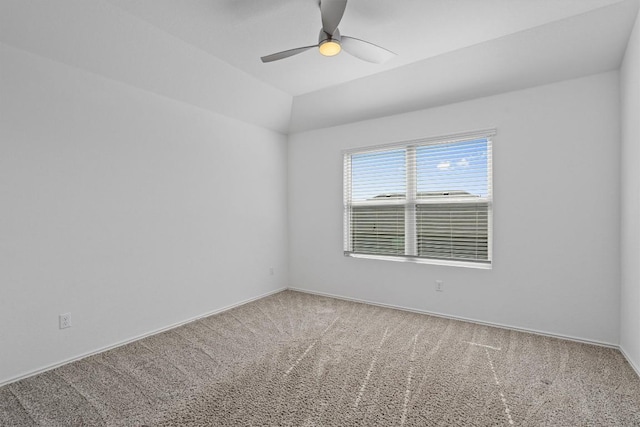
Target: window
[[427, 200]]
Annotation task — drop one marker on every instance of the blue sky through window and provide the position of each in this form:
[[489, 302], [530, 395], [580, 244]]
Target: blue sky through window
[[456, 166], [449, 167], [378, 173]]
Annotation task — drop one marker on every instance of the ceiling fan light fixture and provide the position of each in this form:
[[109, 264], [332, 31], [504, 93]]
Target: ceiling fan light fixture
[[329, 48], [331, 42]]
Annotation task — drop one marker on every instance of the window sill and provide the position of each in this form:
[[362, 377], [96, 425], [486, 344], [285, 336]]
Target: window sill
[[445, 262]]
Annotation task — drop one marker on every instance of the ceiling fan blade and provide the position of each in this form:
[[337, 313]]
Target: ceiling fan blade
[[331, 11], [286, 53], [366, 51]]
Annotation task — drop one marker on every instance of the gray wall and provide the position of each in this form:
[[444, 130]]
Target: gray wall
[[630, 227], [128, 209], [556, 212]]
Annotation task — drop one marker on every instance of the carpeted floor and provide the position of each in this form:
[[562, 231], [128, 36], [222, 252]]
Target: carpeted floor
[[294, 359]]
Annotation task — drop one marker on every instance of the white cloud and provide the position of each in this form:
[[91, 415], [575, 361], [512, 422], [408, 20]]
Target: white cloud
[[463, 163], [445, 164]]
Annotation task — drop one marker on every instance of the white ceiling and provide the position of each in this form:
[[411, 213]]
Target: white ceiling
[[207, 52], [581, 45], [241, 31]]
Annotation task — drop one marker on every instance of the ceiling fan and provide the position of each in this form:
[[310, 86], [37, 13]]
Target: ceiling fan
[[331, 43]]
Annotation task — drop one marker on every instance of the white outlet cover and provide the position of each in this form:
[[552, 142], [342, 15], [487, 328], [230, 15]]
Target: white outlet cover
[[64, 320]]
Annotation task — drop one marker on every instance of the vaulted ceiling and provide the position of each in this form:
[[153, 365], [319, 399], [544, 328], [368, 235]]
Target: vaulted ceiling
[[241, 31], [447, 51]]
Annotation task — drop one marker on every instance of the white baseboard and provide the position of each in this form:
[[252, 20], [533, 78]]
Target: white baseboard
[[631, 362], [136, 338], [464, 319], [397, 307]]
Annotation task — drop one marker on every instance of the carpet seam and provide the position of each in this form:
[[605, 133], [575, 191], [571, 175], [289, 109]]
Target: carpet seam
[[271, 320], [123, 375], [70, 384], [24, 408]]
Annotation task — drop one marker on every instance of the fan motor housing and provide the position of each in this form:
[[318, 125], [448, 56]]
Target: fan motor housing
[[324, 37]]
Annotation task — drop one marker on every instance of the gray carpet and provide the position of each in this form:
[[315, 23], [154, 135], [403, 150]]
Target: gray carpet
[[294, 359]]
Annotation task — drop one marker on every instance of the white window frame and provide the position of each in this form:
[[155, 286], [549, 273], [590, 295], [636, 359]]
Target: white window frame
[[410, 214]]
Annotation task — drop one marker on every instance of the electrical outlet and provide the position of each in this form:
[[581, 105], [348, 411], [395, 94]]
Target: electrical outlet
[[65, 320], [439, 286], [271, 271]]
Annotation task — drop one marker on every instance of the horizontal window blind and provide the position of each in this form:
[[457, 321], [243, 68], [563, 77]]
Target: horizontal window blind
[[378, 230], [453, 231], [428, 199]]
